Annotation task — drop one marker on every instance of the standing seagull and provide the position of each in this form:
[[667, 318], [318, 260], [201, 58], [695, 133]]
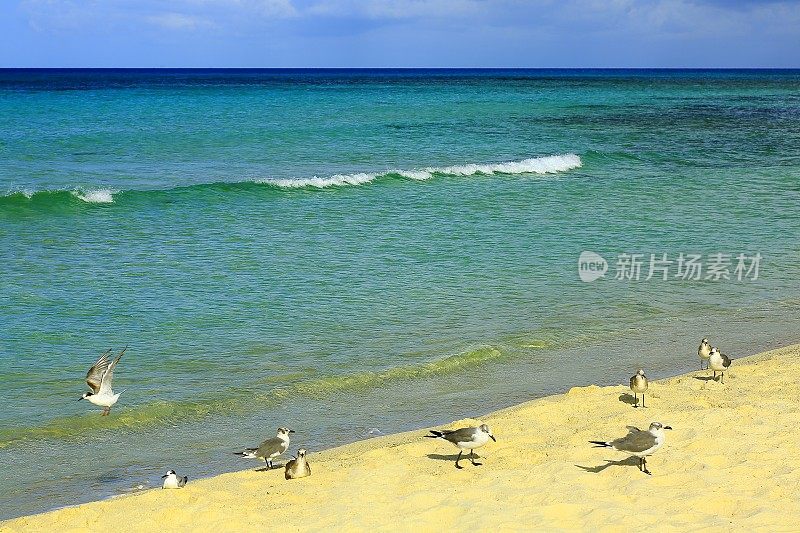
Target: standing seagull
[[704, 352], [465, 439], [270, 448], [99, 380], [638, 386], [638, 443], [298, 467], [719, 362], [172, 481]]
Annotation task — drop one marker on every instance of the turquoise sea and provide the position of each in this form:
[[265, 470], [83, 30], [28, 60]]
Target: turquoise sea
[[357, 252]]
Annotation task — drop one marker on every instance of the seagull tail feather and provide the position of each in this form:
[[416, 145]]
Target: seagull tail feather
[[435, 434], [600, 444], [250, 454]]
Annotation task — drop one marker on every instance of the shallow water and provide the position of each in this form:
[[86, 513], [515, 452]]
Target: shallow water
[[348, 253]]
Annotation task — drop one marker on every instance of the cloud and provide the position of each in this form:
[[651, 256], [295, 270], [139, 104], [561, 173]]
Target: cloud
[[397, 9], [64, 15], [179, 21]]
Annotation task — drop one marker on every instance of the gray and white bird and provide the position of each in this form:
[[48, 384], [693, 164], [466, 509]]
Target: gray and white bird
[[465, 439], [638, 443], [704, 352], [270, 448], [172, 481], [298, 467], [99, 380], [638, 386], [719, 362]]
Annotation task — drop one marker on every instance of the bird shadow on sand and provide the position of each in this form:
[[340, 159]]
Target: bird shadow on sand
[[706, 378], [453, 457], [442, 457], [629, 461], [267, 469], [630, 399]]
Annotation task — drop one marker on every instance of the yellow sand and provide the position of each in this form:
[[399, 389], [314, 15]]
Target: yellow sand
[[732, 462]]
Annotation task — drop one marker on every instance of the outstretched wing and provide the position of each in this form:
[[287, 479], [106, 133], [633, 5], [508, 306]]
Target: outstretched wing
[[94, 377], [105, 383]]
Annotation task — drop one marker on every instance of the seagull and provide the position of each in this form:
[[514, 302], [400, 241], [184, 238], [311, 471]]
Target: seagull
[[638, 443], [298, 467], [172, 481], [270, 448], [704, 352], [99, 380], [719, 362], [465, 439], [638, 386]]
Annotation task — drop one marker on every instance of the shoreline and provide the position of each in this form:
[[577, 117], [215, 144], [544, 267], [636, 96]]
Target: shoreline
[[411, 482]]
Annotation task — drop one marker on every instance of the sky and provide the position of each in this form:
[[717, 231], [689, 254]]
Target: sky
[[400, 33]]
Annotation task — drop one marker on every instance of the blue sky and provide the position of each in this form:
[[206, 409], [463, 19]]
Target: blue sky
[[399, 33]]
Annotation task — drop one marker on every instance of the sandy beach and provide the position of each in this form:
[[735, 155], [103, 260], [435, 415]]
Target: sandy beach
[[732, 462]]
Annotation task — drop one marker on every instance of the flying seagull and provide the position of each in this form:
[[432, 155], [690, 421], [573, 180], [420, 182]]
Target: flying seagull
[[99, 380], [638, 386], [638, 443], [298, 467], [719, 362], [172, 481], [465, 439], [704, 352], [270, 448]]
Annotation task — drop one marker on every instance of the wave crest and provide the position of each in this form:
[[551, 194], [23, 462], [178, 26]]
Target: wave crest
[[536, 165], [99, 196]]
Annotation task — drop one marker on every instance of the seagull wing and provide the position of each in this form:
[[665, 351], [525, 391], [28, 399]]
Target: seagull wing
[[94, 377], [460, 435], [270, 447], [635, 442], [108, 376], [632, 429]]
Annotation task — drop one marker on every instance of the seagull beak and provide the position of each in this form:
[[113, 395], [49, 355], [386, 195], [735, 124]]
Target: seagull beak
[[81, 398], [492, 437], [291, 431], [165, 475], [667, 427]]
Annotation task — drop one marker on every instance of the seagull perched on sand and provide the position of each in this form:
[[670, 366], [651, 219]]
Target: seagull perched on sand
[[465, 439], [704, 352], [719, 362], [172, 481], [638, 443], [99, 380], [270, 448], [298, 467], [638, 386]]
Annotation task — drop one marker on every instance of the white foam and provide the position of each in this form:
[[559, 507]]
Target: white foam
[[99, 196], [335, 180], [537, 165]]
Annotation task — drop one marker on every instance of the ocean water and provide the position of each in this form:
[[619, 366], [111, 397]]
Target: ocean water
[[353, 253]]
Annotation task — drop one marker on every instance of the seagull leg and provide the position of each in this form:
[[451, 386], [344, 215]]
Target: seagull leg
[[642, 400], [723, 377], [635, 400], [644, 465], [459, 458], [641, 465], [472, 459]]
